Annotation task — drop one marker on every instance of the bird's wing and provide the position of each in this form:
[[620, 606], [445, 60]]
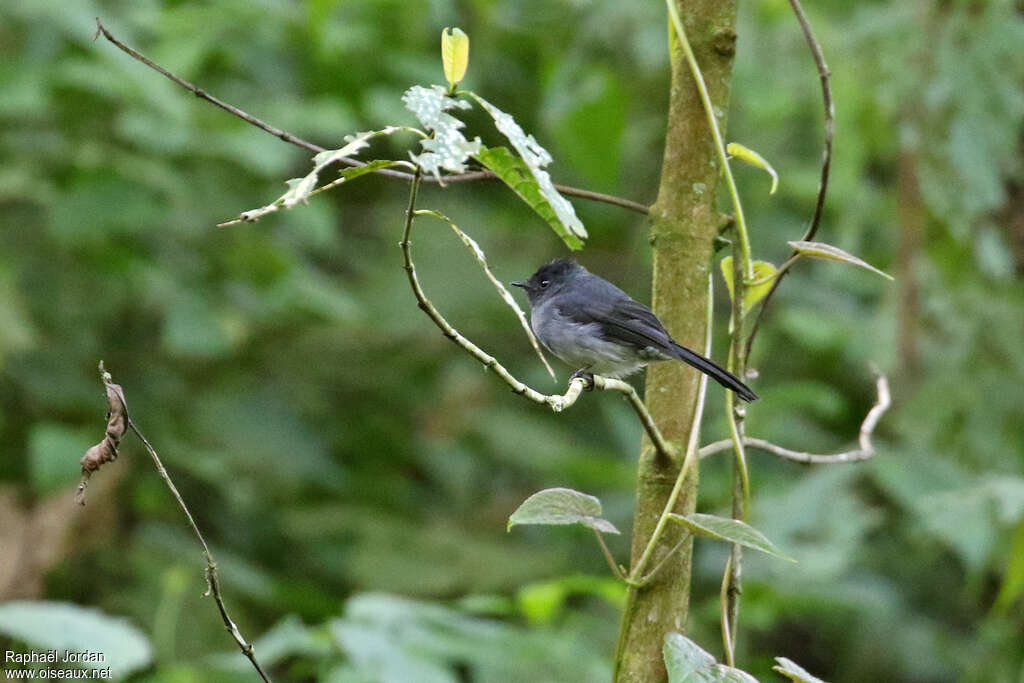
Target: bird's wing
[[622, 319]]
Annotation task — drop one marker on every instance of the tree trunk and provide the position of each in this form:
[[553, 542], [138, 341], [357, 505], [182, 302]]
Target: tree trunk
[[684, 226]]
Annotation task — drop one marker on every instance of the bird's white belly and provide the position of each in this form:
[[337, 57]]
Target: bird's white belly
[[582, 346]]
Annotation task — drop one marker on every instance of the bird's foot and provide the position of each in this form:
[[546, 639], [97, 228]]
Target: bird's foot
[[586, 376]]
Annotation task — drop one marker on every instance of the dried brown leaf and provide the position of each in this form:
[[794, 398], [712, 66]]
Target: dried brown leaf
[[106, 450]]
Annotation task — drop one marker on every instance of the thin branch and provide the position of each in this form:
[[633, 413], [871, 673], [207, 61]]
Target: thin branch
[[725, 602], [865, 451], [557, 402], [826, 160], [313, 147], [663, 561], [212, 582], [616, 570], [503, 292]]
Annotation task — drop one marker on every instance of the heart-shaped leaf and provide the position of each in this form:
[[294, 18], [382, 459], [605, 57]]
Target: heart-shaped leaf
[[561, 506]]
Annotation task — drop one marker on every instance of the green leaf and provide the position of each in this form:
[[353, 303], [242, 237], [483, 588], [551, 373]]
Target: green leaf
[[730, 531], [454, 55], [503, 292], [764, 276], [1013, 580], [514, 172], [794, 671], [561, 506], [542, 603], [448, 149], [751, 157], [827, 252], [536, 159], [688, 663], [64, 626]]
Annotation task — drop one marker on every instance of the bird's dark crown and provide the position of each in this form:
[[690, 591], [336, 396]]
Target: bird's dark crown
[[549, 278], [555, 271]]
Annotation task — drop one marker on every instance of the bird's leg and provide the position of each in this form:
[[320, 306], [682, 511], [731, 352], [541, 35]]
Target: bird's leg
[[586, 376]]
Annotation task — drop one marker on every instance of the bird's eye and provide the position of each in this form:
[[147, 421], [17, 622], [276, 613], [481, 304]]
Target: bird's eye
[[545, 283]]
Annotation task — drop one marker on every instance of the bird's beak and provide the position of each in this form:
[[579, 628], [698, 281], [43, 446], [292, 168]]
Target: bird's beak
[[519, 283]]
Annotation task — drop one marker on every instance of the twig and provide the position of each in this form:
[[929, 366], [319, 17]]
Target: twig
[[663, 561], [727, 620], [557, 402], [503, 292], [865, 451], [826, 160], [212, 582], [313, 147], [616, 570]]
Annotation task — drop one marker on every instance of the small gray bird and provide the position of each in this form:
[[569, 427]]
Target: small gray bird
[[593, 325]]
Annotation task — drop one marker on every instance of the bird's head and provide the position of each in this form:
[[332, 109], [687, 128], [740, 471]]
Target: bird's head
[[549, 279]]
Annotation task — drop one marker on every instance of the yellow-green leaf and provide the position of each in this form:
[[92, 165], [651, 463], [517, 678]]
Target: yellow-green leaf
[[757, 289], [751, 157], [829, 253], [454, 54]]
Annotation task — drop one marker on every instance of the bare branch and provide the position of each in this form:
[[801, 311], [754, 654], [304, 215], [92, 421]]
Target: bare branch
[[826, 158], [313, 147], [866, 449], [556, 402], [119, 415], [503, 292], [616, 570]]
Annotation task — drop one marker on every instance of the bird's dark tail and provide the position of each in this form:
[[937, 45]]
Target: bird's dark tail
[[715, 372]]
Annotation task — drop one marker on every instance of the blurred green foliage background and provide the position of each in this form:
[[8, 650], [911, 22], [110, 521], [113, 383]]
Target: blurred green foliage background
[[354, 471]]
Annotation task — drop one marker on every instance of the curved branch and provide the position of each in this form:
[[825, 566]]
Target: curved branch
[[865, 451], [826, 160], [315, 148], [557, 402]]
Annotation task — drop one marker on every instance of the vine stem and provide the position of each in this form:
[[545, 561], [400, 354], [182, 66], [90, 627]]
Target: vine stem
[[824, 76], [709, 109], [636, 579], [743, 272]]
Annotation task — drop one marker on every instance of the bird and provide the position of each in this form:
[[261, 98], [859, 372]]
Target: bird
[[591, 324]]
